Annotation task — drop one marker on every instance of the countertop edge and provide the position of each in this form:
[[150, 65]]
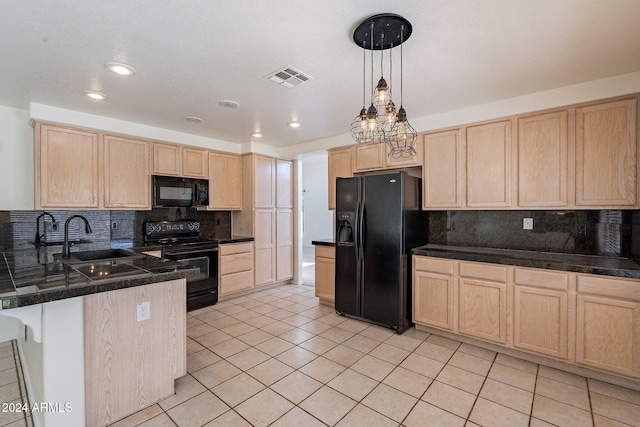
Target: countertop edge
[[324, 242]]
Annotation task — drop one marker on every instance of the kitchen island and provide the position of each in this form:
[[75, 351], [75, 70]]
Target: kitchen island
[[100, 340]]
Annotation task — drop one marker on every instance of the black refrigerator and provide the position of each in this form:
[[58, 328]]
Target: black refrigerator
[[378, 221]]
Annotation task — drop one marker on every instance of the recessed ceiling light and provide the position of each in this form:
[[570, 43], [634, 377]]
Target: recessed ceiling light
[[95, 94], [120, 68], [193, 119], [293, 124], [228, 103], [256, 135]]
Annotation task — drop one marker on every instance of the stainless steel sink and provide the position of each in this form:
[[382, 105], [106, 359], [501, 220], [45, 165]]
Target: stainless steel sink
[[84, 257]]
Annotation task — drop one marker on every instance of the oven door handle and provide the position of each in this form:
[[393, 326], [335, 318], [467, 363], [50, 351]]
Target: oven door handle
[[168, 254]]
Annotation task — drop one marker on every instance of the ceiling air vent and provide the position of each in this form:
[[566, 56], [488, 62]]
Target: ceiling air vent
[[288, 77]]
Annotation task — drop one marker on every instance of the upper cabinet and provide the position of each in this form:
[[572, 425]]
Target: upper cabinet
[[264, 174], [126, 173], [606, 155], [369, 157], [442, 170], [225, 181], [340, 166], [176, 160]]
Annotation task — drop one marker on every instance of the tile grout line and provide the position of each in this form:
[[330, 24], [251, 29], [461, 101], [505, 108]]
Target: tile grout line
[[21, 384]]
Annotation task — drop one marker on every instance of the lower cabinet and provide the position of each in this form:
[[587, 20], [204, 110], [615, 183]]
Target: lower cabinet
[[325, 270], [235, 271], [581, 319]]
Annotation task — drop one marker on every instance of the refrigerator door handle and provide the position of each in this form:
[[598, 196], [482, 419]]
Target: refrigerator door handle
[[356, 234], [361, 230]]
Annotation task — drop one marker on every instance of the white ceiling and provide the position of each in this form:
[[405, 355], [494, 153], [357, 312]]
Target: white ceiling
[[191, 54]]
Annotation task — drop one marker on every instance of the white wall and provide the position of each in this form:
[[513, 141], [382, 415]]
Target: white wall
[[318, 219], [16, 160]]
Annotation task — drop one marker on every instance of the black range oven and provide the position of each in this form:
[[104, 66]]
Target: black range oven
[[181, 242]]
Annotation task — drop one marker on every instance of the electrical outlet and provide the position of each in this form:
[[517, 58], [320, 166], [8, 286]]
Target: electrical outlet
[[50, 226], [114, 225], [144, 311], [527, 223]]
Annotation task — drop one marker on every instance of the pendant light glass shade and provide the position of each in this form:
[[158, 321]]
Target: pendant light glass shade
[[402, 137]]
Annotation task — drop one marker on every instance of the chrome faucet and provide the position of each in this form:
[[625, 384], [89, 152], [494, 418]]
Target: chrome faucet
[[66, 250], [38, 236]]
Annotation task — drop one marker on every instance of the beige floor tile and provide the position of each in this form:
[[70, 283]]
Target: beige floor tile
[[198, 410], [161, 420], [615, 409], [363, 416], [450, 399], [139, 417], [337, 334], [296, 357], [261, 321], [228, 348], [564, 393], [297, 418], [390, 353], [617, 392], [414, 333], [344, 355], [354, 326], [231, 309], [507, 395], [247, 359], [353, 384], [434, 351], [237, 389], [297, 336], [559, 413], [276, 328], [322, 369], [280, 314], [212, 338], [193, 346], [373, 367], [474, 350], [600, 421], [239, 328], [201, 329], [562, 376], [270, 371], [185, 388], [512, 376], [216, 374], [255, 337], [264, 408], [245, 315], [332, 319], [8, 376], [444, 342], [296, 387], [377, 333], [328, 405], [200, 359], [408, 382], [210, 315], [223, 322], [514, 362], [192, 321], [534, 422], [403, 342], [422, 365], [316, 327], [424, 411], [390, 402], [296, 320], [318, 345], [9, 392], [274, 346], [470, 363], [487, 413], [459, 378]]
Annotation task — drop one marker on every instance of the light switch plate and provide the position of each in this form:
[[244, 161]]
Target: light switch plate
[[144, 311], [527, 223]]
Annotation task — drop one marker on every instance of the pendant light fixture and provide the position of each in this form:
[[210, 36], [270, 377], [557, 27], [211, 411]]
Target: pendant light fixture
[[380, 123]]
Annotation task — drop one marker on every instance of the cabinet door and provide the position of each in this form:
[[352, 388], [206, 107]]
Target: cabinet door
[[126, 173], [408, 161], [284, 184], [166, 159], [541, 312], [608, 334], [68, 168], [265, 182], [225, 181], [489, 165], [370, 156], [442, 170], [340, 166], [194, 162], [606, 154], [284, 244], [265, 246], [543, 160], [434, 300], [325, 270]]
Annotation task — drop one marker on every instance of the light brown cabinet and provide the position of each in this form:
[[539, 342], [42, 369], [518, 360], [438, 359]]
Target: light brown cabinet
[[369, 157], [607, 159], [225, 182], [442, 170], [435, 293], [235, 272], [127, 181], [340, 162], [177, 160], [325, 273]]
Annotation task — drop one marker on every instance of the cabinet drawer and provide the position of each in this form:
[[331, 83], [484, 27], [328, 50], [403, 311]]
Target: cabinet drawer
[[236, 262], [541, 279], [326, 252], [483, 271], [236, 282], [610, 287], [433, 265], [235, 248]]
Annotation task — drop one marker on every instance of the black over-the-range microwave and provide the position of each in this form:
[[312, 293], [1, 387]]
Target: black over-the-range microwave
[[173, 191]]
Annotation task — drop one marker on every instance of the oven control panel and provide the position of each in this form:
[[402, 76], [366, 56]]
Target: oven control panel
[[165, 229]]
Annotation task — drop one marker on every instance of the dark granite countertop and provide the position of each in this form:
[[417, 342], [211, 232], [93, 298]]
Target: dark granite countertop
[[324, 242], [591, 264], [140, 245], [35, 276]]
